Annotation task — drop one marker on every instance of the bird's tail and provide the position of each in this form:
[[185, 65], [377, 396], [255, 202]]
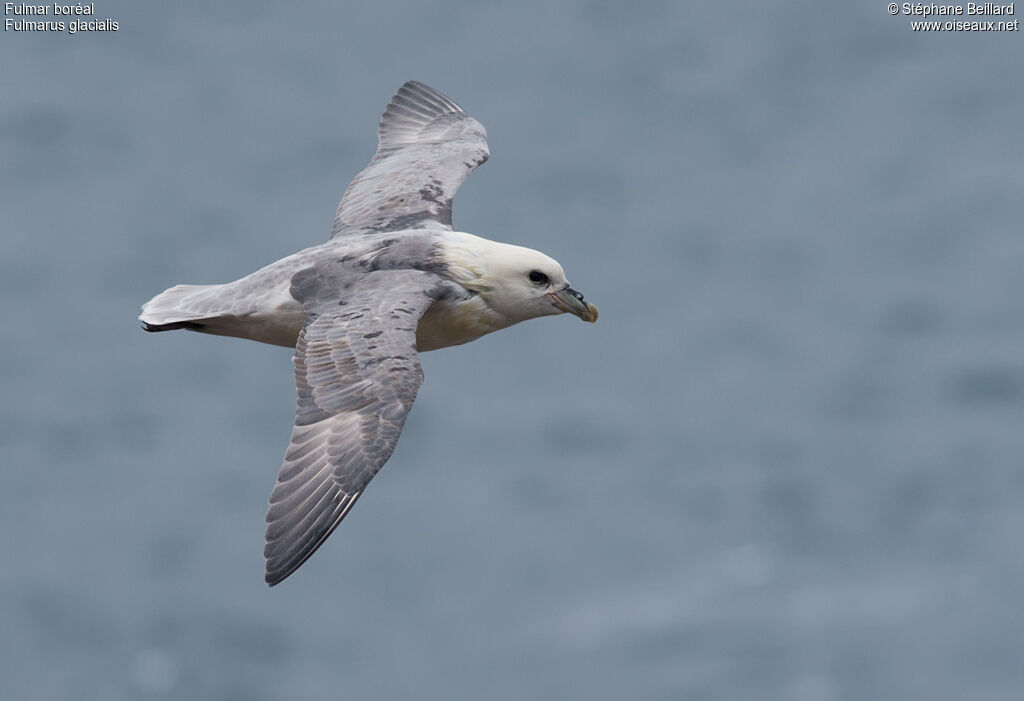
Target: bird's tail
[[180, 307]]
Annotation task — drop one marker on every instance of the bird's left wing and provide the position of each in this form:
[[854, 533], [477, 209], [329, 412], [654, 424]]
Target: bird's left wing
[[426, 146], [357, 373]]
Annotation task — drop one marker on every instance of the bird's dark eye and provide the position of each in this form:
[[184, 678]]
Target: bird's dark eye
[[538, 278]]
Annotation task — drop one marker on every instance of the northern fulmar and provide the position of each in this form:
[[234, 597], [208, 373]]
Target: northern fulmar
[[394, 279]]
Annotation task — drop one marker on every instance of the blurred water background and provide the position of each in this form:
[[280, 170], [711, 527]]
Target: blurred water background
[[785, 464]]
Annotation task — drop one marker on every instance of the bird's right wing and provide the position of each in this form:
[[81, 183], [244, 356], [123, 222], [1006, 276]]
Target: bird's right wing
[[426, 147], [357, 373]]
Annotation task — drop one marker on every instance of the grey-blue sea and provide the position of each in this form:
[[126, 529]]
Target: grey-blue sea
[[787, 462]]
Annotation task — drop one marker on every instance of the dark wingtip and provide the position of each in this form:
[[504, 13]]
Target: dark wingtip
[[275, 576], [277, 571]]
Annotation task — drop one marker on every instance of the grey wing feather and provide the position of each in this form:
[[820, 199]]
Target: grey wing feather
[[357, 373], [426, 147]]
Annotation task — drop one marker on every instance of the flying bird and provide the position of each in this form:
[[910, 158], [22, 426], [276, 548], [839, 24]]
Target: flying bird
[[395, 279]]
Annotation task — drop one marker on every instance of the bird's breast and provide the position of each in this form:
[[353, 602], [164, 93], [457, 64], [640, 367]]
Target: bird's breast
[[453, 322]]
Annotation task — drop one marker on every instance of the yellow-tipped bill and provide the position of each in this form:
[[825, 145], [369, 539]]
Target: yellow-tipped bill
[[569, 300]]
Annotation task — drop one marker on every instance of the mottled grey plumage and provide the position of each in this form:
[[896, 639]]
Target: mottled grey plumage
[[393, 280], [357, 374], [426, 147]]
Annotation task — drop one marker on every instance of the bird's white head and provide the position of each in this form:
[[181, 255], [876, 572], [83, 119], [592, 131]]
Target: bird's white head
[[518, 283]]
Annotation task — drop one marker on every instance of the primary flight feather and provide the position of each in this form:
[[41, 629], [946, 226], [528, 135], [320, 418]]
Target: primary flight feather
[[394, 279]]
